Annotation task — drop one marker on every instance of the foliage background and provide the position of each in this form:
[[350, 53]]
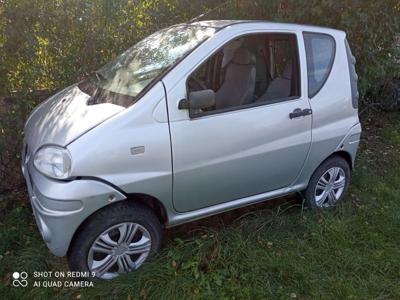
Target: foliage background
[[48, 45], [255, 253]]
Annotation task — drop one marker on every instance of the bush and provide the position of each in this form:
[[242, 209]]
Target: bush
[[47, 45]]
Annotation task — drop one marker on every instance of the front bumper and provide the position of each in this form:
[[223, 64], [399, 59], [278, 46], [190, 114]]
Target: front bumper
[[60, 207]]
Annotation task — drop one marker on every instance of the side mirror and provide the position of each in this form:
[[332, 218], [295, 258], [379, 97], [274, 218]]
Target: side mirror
[[198, 100]]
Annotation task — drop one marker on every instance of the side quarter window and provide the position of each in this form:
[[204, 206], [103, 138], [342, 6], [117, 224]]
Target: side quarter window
[[353, 75], [320, 53]]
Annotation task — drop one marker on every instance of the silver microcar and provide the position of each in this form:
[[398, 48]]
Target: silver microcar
[[196, 119]]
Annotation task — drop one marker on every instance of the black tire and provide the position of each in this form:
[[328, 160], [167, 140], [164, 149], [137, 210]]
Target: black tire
[[106, 218], [310, 193]]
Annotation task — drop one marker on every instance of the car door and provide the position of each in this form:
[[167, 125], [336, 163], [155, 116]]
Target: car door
[[227, 154]]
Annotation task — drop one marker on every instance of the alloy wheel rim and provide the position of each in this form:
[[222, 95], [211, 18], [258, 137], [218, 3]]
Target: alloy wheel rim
[[330, 187], [120, 249]]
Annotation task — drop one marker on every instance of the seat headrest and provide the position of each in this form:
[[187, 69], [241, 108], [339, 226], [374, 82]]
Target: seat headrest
[[243, 57]]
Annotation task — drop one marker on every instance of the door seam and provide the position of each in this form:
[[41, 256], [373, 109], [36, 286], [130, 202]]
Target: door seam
[[170, 145]]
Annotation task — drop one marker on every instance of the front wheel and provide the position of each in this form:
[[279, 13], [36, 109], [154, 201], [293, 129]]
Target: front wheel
[[328, 184], [116, 240]]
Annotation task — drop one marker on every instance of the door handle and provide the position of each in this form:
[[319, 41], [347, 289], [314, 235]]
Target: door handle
[[298, 112]]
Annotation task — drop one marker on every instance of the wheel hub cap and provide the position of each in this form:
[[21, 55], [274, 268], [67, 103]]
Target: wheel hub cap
[[330, 187], [120, 249]]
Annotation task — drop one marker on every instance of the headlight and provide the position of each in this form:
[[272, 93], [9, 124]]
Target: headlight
[[53, 161]]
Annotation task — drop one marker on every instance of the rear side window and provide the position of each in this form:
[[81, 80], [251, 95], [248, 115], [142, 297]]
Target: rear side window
[[353, 75], [320, 53]]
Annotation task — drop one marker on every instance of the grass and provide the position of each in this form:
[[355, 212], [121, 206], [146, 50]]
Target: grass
[[274, 250]]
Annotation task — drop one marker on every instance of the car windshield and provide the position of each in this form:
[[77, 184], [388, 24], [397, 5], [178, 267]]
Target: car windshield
[[121, 80]]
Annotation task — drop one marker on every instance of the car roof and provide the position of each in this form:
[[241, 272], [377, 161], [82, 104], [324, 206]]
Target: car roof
[[220, 24]]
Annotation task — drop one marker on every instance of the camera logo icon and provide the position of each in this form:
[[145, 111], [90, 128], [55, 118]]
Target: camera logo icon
[[20, 279]]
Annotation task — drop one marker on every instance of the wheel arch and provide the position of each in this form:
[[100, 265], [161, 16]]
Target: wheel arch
[[145, 200], [340, 153], [344, 154], [152, 203]]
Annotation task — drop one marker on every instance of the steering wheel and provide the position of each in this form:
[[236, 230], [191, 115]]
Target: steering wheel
[[196, 84]]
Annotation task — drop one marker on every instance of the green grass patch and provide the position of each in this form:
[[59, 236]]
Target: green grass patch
[[268, 252]]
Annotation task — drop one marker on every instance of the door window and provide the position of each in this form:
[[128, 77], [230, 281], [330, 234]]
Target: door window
[[249, 71], [320, 53]]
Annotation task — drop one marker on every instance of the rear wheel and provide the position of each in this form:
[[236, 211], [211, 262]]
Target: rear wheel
[[116, 240], [328, 184]]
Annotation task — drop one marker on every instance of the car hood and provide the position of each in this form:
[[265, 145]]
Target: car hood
[[64, 117]]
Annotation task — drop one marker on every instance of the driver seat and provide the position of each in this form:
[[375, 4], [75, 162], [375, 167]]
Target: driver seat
[[240, 79]]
